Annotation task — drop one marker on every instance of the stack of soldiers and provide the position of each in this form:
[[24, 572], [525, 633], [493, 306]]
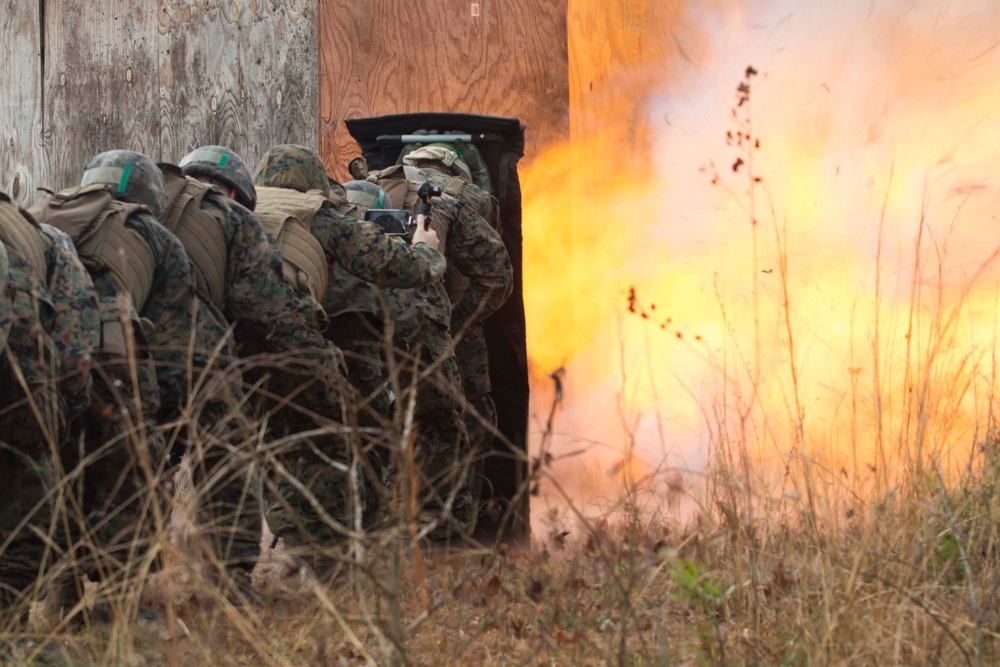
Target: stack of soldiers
[[253, 330]]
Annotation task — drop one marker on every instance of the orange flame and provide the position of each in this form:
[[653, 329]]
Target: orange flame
[[862, 329]]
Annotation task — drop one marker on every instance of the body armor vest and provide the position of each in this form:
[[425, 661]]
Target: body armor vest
[[95, 221], [201, 233], [287, 216], [400, 183]]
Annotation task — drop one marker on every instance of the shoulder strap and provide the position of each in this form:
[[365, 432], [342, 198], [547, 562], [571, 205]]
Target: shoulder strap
[[22, 236], [287, 216], [200, 232]]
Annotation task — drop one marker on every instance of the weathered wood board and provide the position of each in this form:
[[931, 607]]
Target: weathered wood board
[[493, 57], [22, 155], [241, 73], [101, 83]]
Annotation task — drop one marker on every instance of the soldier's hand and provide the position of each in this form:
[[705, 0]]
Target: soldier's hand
[[428, 236]]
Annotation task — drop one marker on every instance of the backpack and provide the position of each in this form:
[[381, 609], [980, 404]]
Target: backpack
[[400, 184], [287, 216], [95, 220]]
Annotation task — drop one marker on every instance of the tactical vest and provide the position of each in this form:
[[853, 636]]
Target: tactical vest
[[22, 236], [287, 216], [201, 233], [400, 184], [95, 220]]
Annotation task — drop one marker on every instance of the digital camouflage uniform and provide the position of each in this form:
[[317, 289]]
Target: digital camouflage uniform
[[32, 416], [270, 317], [363, 251], [480, 279], [353, 306], [422, 320], [149, 314]]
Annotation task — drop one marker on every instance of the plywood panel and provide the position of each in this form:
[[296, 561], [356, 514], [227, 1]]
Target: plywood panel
[[281, 74], [22, 155], [202, 98], [397, 56], [101, 82]]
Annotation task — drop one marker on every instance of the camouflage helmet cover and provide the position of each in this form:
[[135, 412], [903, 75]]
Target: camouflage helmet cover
[[293, 167], [225, 165], [133, 177], [367, 194]]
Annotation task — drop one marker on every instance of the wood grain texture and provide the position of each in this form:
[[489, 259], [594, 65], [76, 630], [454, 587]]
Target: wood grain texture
[[101, 82], [396, 56], [201, 92], [23, 162], [281, 74], [240, 73]]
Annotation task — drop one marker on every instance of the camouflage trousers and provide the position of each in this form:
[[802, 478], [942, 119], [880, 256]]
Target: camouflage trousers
[[226, 487], [442, 448], [478, 420], [88, 512], [116, 503], [314, 488], [359, 336], [31, 527]]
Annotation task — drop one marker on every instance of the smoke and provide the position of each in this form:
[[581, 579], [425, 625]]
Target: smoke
[[873, 275]]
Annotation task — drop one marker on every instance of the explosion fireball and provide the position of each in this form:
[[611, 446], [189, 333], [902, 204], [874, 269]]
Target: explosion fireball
[[814, 268]]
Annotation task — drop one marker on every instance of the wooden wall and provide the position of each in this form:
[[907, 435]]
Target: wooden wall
[[163, 77], [158, 77], [493, 57], [22, 153]]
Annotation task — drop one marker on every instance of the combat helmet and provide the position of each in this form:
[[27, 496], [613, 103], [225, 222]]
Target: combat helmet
[[367, 194], [133, 178], [223, 164], [293, 167]]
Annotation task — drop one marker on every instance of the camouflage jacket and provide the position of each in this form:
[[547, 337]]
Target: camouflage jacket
[[33, 368], [369, 268], [75, 323], [172, 309], [364, 251], [475, 250], [268, 313]]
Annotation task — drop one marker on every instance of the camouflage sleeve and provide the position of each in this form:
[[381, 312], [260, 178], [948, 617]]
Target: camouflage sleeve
[[477, 251], [362, 249], [258, 296], [76, 328], [172, 309]]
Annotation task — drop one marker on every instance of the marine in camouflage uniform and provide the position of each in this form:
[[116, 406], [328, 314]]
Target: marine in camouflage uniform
[[50, 313], [354, 308], [422, 327], [362, 251], [149, 316], [480, 275], [245, 282]]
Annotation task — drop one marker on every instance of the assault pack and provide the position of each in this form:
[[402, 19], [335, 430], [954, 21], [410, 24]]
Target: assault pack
[[287, 216], [96, 222]]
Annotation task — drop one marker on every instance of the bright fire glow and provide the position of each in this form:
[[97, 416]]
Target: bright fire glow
[[884, 349]]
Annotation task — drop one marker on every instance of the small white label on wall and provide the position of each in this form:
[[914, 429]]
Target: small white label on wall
[[475, 9]]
